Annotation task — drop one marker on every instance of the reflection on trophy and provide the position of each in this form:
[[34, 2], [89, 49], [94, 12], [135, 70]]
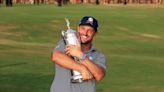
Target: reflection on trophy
[[70, 37]]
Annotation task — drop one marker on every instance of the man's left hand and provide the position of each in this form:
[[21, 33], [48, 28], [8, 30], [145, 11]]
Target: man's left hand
[[74, 50]]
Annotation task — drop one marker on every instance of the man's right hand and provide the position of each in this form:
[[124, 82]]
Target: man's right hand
[[86, 74]]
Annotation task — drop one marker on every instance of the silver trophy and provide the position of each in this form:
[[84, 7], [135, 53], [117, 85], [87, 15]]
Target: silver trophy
[[70, 37]]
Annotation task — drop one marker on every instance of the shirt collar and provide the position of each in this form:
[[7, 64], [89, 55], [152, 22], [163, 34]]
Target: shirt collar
[[90, 50]]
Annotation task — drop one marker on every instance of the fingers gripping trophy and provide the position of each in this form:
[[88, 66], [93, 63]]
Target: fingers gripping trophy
[[70, 37]]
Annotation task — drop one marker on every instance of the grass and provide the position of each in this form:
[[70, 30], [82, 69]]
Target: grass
[[131, 37]]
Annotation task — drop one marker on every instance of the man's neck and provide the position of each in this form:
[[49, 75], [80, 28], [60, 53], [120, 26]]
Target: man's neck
[[86, 47]]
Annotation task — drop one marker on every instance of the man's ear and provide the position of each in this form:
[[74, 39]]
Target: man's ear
[[78, 28], [95, 34]]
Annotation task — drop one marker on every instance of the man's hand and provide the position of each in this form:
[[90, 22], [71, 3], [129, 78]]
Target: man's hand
[[86, 74], [74, 50], [97, 71]]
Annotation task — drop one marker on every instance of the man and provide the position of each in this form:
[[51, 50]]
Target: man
[[59, 2], [92, 65], [9, 3], [97, 2]]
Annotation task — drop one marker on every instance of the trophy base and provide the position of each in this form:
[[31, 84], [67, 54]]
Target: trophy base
[[80, 80]]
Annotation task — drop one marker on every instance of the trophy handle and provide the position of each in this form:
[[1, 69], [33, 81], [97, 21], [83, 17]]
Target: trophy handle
[[63, 36], [63, 33], [68, 23]]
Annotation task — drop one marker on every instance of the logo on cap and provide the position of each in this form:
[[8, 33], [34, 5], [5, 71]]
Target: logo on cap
[[90, 21]]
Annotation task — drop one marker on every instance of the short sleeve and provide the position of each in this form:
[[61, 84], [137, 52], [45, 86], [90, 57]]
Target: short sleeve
[[60, 46], [100, 60]]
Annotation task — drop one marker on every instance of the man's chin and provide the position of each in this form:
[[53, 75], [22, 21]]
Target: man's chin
[[84, 43]]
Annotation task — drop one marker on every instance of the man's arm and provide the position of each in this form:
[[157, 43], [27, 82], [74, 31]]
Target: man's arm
[[97, 71], [67, 62]]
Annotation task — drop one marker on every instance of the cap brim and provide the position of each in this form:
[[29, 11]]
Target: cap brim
[[88, 24]]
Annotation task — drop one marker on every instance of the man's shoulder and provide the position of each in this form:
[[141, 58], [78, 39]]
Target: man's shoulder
[[99, 58], [60, 46]]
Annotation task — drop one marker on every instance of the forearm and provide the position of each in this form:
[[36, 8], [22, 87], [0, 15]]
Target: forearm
[[65, 61], [97, 71]]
